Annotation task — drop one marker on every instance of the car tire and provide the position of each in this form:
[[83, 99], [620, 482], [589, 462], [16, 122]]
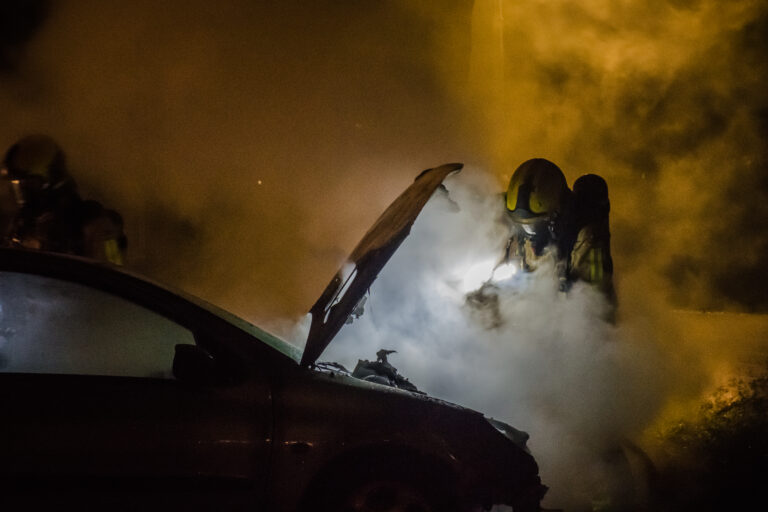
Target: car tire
[[385, 495], [385, 488]]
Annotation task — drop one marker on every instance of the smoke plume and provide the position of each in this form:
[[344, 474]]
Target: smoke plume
[[665, 100], [554, 367]]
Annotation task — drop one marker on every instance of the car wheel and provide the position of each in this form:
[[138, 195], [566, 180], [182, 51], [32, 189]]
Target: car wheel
[[386, 486], [383, 495]]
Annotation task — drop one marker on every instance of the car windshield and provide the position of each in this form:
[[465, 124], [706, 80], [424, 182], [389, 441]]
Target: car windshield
[[83, 271], [270, 339], [282, 346]]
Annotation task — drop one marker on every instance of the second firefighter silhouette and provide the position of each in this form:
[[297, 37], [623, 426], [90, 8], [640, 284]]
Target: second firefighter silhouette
[[41, 208], [554, 226]]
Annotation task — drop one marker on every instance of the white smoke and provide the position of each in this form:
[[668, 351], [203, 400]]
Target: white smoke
[[554, 367]]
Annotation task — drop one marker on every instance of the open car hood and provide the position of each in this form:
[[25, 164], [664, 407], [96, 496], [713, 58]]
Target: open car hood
[[354, 278]]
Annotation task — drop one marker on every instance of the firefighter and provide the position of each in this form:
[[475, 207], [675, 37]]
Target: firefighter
[[539, 205], [538, 212], [43, 210], [547, 219], [590, 255]]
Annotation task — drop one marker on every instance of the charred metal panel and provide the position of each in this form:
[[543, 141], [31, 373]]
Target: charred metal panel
[[350, 283]]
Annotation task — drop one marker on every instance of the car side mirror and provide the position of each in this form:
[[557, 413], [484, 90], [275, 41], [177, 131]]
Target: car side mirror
[[193, 365]]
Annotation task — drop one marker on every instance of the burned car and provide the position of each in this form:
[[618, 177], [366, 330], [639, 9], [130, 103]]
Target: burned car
[[117, 391]]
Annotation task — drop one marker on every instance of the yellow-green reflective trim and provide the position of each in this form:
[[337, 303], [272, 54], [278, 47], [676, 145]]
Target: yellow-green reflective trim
[[112, 252], [595, 265]]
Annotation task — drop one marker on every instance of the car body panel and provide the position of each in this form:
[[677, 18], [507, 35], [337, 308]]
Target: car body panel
[[135, 433], [88, 429], [351, 282], [372, 420], [266, 436]]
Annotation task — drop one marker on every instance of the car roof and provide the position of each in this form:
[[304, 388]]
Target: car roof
[[179, 306]]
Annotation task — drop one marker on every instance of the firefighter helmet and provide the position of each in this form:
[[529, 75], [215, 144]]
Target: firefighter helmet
[[36, 166], [537, 193]]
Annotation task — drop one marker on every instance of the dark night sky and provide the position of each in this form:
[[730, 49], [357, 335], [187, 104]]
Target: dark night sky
[[250, 145]]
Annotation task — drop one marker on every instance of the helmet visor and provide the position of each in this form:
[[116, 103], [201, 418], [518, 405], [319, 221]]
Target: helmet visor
[[27, 190], [530, 229], [535, 229]]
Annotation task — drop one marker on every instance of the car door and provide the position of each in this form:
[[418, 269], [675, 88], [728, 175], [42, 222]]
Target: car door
[[91, 410]]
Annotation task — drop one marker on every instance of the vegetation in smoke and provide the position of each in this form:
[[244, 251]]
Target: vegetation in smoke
[[719, 461]]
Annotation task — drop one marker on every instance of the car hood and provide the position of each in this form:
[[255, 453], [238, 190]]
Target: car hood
[[354, 278]]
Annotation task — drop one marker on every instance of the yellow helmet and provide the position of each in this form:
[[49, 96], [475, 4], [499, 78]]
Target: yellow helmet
[[537, 192], [35, 155], [36, 166]]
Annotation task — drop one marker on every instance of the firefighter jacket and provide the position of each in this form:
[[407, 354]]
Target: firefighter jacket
[[70, 225], [528, 253], [590, 258]]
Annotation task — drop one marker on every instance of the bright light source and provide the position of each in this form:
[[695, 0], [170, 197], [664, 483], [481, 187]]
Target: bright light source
[[476, 275], [504, 272]]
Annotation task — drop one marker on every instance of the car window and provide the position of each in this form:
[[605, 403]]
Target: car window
[[53, 326]]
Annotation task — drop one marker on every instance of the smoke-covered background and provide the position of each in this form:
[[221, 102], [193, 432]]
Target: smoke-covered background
[[249, 145]]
